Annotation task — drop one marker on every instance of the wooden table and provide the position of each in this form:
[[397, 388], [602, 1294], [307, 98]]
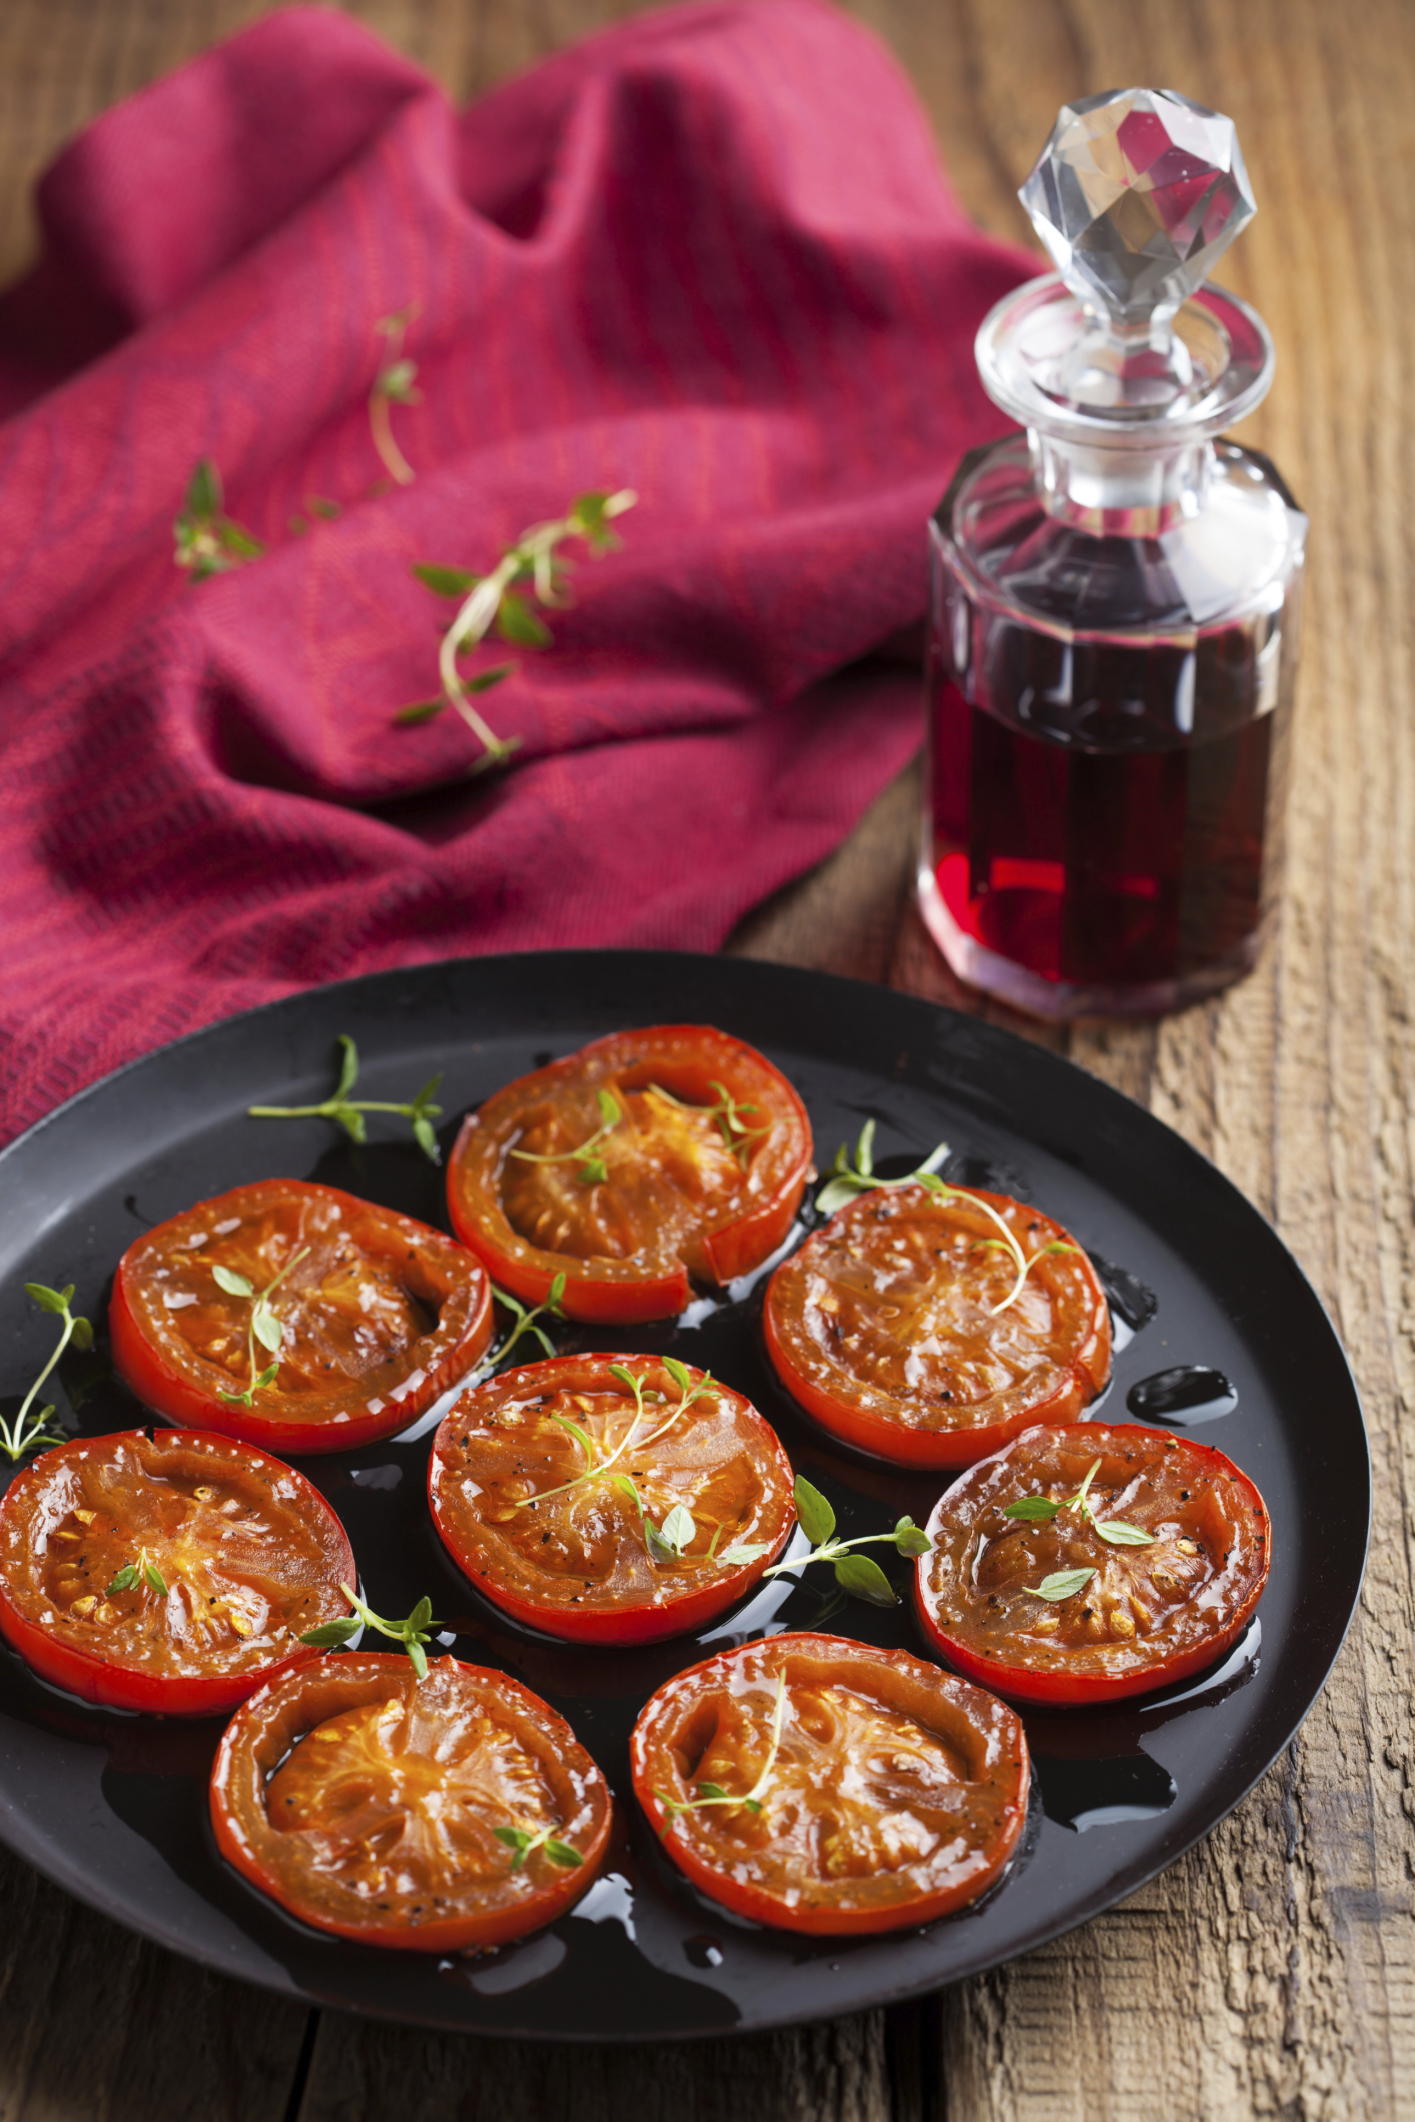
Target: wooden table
[[1272, 1971]]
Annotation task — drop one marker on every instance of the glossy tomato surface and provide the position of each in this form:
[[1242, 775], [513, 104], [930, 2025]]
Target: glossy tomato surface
[[1147, 1615], [378, 1315], [580, 1564], [897, 1793], [245, 1558], [366, 1802], [893, 1325], [672, 1192]]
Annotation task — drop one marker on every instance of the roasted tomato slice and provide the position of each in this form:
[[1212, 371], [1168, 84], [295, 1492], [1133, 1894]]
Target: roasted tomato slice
[[552, 1487], [698, 1175], [174, 1572], [1114, 1615], [820, 1785], [434, 1815], [902, 1327], [375, 1315]]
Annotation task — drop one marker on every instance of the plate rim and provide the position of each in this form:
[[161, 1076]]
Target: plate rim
[[69, 1877]]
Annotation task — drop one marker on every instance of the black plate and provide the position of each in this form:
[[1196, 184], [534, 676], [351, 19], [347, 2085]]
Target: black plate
[[112, 1807]]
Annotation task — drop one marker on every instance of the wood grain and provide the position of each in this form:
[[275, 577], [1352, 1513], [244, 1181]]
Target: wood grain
[[1272, 1971]]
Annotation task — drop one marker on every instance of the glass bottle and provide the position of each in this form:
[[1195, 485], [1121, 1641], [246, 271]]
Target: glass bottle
[[1115, 596]]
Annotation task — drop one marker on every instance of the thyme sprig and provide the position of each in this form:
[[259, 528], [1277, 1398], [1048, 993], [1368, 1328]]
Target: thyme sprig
[[847, 1179], [713, 1793], [206, 540], [592, 1170], [349, 1112], [526, 1320], [263, 1325], [525, 1844], [412, 1633], [29, 1430], [857, 1574], [395, 384], [665, 1542], [736, 1134], [528, 568], [145, 1570], [1114, 1531]]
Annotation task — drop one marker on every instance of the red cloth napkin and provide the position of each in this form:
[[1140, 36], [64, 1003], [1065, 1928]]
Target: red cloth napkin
[[709, 256]]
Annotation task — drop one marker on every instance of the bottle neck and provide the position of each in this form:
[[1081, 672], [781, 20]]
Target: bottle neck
[[1119, 492]]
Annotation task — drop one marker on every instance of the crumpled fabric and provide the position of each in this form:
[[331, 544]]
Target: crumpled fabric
[[709, 256]]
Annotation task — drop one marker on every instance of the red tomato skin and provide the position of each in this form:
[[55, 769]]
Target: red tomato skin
[[111, 1686], [734, 1250], [459, 1934], [761, 1907], [596, 1303], [179, 1400], [931, 1451], [1071, 1690], [627, 1626]]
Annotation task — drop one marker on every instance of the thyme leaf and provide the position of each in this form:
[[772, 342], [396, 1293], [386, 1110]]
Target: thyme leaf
[[1061, 1584]]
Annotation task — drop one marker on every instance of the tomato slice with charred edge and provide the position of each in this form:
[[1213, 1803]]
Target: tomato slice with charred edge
[[1149, 1615], [698, 1177], [245, 1557], [893, 1325], [581, 1565], [367, 1803], [897, 1793], [378, 1315]]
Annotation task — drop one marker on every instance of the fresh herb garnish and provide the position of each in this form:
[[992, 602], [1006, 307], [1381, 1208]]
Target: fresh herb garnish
[[144, 1570], [665, 1542], [1042, 1509], [847, 1179], [736, 1134], [207, 541], [28, 1430], [262, 1326], [1061, 1584], [856, 1574], [526, 1321], [395, 384], [592, 1170], [498, 600], [349, 1112], [412, 1633], [525, 1844], [714, 1794]]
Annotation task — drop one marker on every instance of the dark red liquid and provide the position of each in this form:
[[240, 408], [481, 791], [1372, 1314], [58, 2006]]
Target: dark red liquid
[[1105, 813]]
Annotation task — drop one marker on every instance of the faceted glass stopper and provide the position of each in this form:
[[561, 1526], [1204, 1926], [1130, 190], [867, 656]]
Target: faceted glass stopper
[[1136, 195]]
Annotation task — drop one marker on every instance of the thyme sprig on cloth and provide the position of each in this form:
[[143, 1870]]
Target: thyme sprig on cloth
[[529, 569]]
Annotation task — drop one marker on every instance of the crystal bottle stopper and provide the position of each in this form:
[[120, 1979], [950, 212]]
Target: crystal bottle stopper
[[1136, 195]]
